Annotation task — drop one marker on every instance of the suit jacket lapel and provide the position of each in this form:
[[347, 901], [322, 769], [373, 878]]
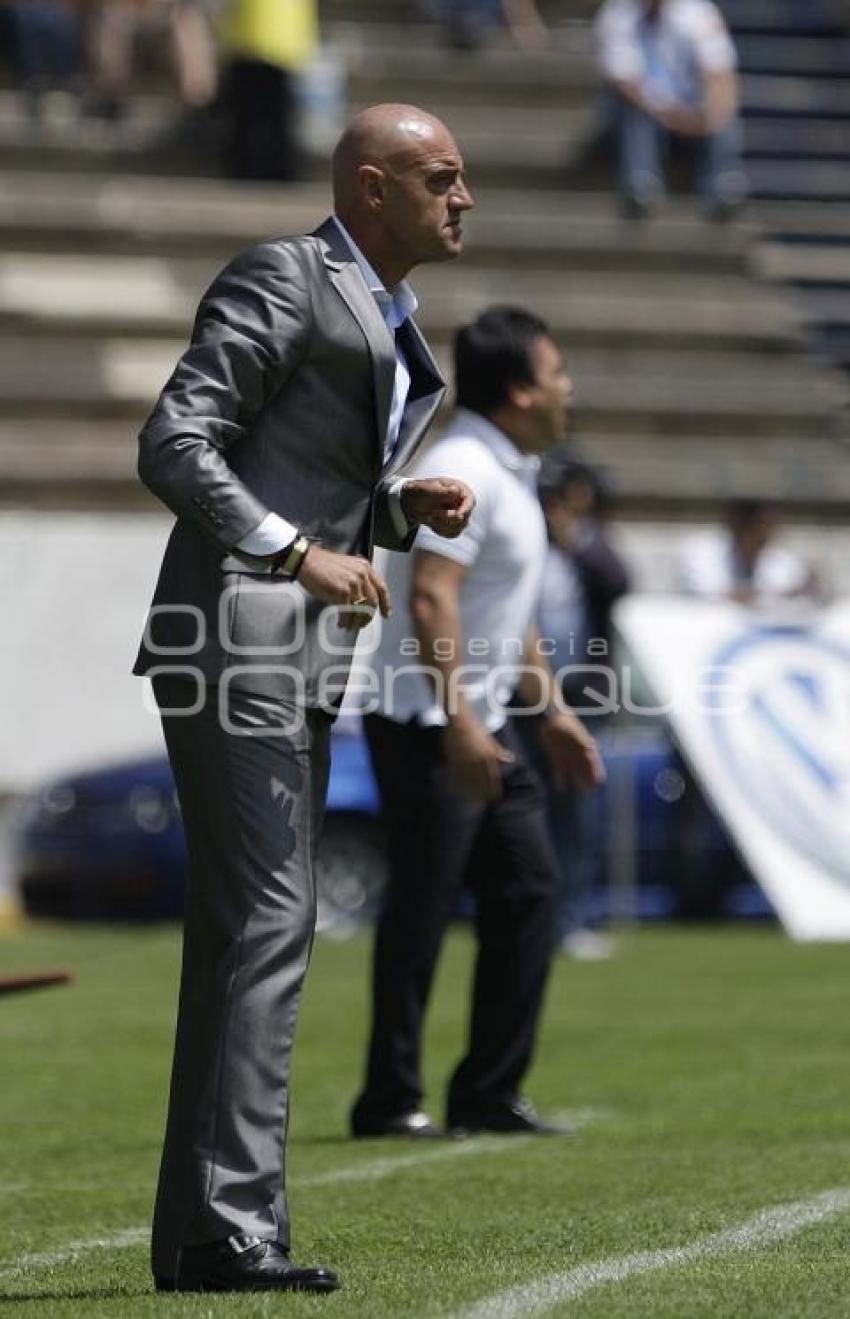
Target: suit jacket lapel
[[346, 278], [427, 388]]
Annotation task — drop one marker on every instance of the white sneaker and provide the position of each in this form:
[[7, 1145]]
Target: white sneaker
[[588, 946]]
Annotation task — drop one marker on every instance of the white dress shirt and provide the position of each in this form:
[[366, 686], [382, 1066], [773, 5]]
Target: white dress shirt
[[274, 532]]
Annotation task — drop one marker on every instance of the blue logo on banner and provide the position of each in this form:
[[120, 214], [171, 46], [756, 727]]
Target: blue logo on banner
[[784, 734]]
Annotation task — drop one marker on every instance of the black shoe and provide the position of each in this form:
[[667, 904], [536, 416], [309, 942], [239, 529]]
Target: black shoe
[[723, 210], [416, 1126], [637, 208], [244, 1264], [509, 1117]]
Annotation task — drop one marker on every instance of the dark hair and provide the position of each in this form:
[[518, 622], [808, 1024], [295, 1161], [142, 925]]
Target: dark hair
[[492, 353], [559, 470]]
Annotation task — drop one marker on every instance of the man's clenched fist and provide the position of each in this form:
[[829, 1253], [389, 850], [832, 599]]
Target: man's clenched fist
[[443, 504]]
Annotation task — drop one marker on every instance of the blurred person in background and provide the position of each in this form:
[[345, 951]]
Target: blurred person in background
[[114, 29], [467, 22], [741, 561], [671, 67], [460, 802], [583, 578], [44, 42], [264, 45]]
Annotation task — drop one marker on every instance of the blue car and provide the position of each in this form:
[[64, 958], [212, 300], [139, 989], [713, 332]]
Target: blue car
[[109, 844]]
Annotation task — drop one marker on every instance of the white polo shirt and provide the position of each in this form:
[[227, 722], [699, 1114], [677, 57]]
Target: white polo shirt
[[668, 57], [504, 549]]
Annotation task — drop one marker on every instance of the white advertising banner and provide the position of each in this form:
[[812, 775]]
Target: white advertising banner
[[759, 705]]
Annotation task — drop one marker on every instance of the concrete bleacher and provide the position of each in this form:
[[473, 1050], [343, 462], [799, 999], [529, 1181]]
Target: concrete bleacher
[[798, 146], [695, 379]]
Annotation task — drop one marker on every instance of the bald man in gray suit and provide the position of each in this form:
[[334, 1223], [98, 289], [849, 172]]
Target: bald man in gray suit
[[280, 443]]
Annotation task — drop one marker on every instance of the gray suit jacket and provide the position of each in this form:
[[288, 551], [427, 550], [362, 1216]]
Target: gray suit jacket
[[281, 403]]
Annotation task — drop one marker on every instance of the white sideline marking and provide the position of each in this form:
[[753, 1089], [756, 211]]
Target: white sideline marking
[[769, 1225], [378, 1168], [385, 1167], [48, 1259], [372, 1171]]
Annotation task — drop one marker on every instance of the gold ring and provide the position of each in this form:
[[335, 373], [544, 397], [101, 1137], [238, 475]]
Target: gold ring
[[361, 600]]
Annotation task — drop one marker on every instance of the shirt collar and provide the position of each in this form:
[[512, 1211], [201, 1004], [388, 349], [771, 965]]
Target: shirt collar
[[525, 466], [394, 307]]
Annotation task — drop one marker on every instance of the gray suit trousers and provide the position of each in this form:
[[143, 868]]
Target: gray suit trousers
[[252, 789]]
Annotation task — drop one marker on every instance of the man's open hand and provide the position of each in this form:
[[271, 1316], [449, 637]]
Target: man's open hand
[[441, 503], [573, 754], [475, 759]]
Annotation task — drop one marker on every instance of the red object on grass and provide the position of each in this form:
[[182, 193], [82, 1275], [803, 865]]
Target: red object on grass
[[37, 980]]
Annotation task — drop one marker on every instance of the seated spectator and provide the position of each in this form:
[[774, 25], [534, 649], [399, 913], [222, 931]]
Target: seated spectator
[[466, 22], [671, 66], [114, 28], [742, 562], [265, 45]]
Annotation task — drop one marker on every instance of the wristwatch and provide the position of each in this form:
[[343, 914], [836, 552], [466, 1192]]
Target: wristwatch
[[287, 563]]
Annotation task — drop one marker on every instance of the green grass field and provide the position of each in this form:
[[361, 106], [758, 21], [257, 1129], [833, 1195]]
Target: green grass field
[[711, 1068]]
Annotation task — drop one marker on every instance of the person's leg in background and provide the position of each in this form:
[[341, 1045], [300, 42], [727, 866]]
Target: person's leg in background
[[193, 53], [262, 108], [110, 41], [722, 178], [45, 43], [514, 875], [430, 832], [641, 166], [574, 822], [572, 819]]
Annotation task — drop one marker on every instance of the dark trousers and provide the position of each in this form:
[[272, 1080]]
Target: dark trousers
[[437, 839], [262, 109], [252, 793]]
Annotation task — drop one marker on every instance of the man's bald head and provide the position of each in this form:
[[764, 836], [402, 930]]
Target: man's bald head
[[389, 136], [399, 188]]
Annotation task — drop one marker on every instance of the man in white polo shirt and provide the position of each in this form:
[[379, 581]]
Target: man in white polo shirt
[[671, 66], [460, 802]]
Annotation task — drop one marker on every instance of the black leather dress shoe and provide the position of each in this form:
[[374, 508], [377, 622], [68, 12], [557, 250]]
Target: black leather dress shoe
[[244, 1264], [509, 1117], [416, 1126]]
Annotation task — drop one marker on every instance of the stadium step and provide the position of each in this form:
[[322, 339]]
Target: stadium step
[[811, 138], [684, 394], [823, 17], [67, 463], [806, 263], [780, 94], [58, 295], [692, 383], [164, 217], [797, 113], [810, 180], [814, 57]]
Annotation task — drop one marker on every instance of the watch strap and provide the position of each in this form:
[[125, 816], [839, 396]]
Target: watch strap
[[289, 561]]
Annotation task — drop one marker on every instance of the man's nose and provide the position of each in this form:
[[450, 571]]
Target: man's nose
[[462, 198]]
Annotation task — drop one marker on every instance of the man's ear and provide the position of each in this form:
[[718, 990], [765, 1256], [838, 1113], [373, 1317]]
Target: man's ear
[[372, 184], [519, 394]]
